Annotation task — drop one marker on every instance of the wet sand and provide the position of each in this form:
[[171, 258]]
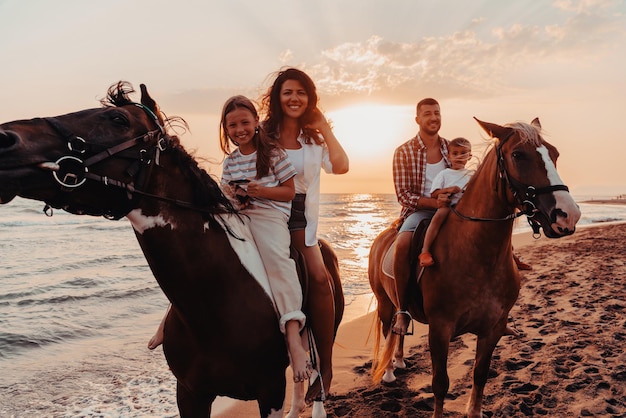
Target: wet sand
[[569, 360]]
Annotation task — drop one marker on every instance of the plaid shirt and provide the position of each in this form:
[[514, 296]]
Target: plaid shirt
[[409, 172]]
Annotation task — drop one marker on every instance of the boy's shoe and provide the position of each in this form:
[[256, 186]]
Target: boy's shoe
[[426, 259], [520, 264]]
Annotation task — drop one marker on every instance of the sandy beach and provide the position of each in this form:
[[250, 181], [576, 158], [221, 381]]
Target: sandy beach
[[614, 201], [569, 359]]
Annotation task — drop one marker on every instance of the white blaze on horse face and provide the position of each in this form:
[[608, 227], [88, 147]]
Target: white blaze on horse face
[[141, 223], [564, 201]]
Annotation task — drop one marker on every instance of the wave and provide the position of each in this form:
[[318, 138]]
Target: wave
[[13, 344], [85, 276]]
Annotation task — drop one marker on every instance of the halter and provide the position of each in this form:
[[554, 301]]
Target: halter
[[72, 171], [524, 194]]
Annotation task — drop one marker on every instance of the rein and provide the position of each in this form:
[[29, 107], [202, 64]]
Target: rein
[[523, 193], [72, 171], [475, 219]]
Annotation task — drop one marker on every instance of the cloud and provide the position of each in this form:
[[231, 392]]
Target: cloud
[[586, 6], [483, 60], [469, 63]]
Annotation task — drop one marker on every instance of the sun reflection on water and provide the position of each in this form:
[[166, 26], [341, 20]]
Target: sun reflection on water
[[351, 222]]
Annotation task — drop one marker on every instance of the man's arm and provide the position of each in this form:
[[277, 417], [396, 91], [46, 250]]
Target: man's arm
[[402, 181]]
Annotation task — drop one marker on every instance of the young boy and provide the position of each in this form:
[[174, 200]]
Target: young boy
[[450, 181]]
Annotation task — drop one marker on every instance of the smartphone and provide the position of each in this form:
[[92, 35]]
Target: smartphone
[[240, 193]]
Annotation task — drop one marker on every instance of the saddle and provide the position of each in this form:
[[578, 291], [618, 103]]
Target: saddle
[[417, 241], [414, 289]]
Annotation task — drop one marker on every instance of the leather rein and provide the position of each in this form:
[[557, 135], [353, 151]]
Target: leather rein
[[72, 171], [524, 194]]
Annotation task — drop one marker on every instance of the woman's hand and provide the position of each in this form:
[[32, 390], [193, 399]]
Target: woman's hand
[[318, 121], [338, 157]]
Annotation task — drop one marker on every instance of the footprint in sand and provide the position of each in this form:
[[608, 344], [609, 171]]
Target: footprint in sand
[[515, 364]]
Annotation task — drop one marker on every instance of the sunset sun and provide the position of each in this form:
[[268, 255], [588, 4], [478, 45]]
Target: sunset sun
[[371, 132]]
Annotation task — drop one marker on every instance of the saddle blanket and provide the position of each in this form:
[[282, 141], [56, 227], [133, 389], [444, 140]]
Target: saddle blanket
[[246, 248], [388, 261]]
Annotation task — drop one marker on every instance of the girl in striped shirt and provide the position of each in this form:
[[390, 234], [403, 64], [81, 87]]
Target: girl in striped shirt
[[260, 175]]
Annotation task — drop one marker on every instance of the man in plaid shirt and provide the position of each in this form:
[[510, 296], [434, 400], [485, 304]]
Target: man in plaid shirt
[[415, 165]]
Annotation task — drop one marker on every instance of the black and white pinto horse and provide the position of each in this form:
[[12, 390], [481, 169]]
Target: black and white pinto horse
[[221, 336]]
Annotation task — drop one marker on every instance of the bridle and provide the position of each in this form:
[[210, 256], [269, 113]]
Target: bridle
[[524, 194], [73, 170]]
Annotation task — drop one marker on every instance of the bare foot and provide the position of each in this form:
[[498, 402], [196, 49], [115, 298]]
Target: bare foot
[[156, 340], [401, 323], [300, 363], [426, 259], [520, 264]]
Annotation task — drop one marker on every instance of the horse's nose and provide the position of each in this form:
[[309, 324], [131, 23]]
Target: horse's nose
[[558, 213], [567, 231], [565, 217], [8, 139]]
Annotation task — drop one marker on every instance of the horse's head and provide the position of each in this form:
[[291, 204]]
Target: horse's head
[[71, 161], [527, 168]]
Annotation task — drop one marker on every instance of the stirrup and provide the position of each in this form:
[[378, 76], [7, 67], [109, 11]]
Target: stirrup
[[411, 324]]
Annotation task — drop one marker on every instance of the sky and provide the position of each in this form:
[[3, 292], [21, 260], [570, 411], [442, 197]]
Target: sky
[[501, 61]]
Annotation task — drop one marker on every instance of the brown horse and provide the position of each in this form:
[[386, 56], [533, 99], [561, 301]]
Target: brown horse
[[475, 282], [221, 335]]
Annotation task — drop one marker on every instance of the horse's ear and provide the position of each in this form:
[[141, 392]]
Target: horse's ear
[[494, 131], [536, 123], [149, 102]]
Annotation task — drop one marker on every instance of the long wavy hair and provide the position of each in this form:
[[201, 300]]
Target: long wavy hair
[[270, 104], [265, 148]]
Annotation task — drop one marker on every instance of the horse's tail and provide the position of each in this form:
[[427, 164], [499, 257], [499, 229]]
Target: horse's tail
[[378, 333], [381, 362]]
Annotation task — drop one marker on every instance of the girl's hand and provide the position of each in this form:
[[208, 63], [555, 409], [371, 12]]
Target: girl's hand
[[255, 189], [236, 195]]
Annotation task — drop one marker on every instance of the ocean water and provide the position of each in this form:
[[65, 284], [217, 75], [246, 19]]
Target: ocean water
[[78, 305]]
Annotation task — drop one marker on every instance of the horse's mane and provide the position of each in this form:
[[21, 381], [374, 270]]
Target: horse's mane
[[207, 195], [118, 95], [527, 132]]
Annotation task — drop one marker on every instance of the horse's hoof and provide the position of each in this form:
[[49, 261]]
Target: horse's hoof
[[318, 410], [294, 413], [389, 377]]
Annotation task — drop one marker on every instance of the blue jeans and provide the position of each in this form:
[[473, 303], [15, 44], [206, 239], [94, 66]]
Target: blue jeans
[[414, 219]]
